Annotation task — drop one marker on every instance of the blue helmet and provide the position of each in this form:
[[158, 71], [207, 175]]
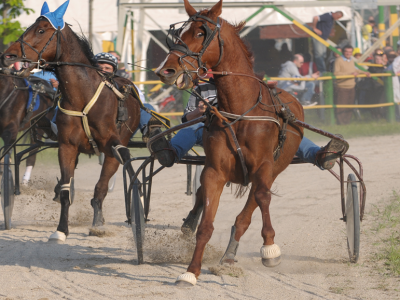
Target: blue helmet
[[107, 58]]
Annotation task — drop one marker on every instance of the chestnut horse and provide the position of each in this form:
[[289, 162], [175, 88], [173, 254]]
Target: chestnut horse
[[79, 82], [205, 42], [14, 97]]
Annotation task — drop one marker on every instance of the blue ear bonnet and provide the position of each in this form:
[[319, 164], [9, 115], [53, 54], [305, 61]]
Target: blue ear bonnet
[[56, 17]]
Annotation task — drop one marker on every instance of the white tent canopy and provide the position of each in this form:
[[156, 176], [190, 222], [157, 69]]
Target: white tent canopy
[[105, 18]]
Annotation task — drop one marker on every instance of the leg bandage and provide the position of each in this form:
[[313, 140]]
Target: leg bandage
[[70, 188], [27, 175]]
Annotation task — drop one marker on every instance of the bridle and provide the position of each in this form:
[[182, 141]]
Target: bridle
[[41, 61], [180, 46]]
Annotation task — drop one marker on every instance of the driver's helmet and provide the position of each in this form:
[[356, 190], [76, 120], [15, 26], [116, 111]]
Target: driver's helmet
[[107, 58]]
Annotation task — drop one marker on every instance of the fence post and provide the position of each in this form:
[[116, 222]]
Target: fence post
[[391, 112], [328, 96]]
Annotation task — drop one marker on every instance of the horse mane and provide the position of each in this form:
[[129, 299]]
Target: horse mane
[[86, 47]]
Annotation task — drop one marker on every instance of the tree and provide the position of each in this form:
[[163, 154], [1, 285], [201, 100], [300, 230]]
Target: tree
[[10, 29]]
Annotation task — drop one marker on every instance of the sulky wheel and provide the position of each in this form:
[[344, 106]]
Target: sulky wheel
[[7, 192], [352, 219], [138, 224], [196, 185]]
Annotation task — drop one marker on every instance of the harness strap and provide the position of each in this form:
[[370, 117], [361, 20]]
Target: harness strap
[[249, 118], [83, 115], [240, 153]]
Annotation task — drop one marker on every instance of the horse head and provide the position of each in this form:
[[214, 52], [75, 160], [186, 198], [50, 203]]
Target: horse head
[[188, 58], [40, 42]]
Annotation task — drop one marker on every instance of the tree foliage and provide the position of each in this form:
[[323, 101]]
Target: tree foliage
[[10, 29]]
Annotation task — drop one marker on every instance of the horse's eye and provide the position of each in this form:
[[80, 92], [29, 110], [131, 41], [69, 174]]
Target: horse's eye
[[200, 34], [41, 31]]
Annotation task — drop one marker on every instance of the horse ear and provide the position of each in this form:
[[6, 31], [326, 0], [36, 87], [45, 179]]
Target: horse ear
[[189, 9], [60, 12], [45, 9], [216, 10]]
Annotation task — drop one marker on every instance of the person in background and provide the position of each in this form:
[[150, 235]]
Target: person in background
[[391, 56], [334, 57], [345, 88], [120, 68], [304, 89], [322, 26], [285, 54], [375, 31], [357, 55], [396, 84]]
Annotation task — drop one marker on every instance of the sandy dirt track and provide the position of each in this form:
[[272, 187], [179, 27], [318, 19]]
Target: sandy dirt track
[[305, 217]]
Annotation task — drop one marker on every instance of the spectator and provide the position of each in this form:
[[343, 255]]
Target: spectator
[[285, 54], [322, 25], [121, 68], [374, 90], [334, 57], [374, 32], [303, 89], [308, 67], [391, 57], [345, 88]]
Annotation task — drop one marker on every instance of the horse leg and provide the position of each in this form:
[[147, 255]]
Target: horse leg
[[242, 222], [270, 252], [67, 155], [110, 166], [190, 223], [211, 192], [30, 163]]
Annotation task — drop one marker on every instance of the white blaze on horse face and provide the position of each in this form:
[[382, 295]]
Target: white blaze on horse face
[[162, 65]]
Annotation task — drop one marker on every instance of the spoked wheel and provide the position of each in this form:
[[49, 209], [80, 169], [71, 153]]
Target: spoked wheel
[[352, 219], [7, 192], [138, 224], [111, 183]]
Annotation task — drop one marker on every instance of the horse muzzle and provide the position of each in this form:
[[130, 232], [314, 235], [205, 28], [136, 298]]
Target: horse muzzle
[[171, 76]]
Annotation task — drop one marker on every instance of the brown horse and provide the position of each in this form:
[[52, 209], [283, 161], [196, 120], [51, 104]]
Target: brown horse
[[79, 82], [14, 97], [206, 41]]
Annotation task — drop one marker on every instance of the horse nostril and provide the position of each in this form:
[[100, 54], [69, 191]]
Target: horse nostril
[[169, 72]]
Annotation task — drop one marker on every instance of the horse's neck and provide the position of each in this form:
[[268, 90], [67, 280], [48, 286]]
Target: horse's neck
[[236, 94], [77, 84]]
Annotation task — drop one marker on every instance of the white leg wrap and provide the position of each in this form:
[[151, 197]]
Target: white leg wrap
[[270, 251], [27, 175], [58, 236], [187, 277], [70, 188]]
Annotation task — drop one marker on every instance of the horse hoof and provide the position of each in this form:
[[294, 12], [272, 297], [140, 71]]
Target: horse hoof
[[270, 255], [58, 237], [186, 279], [271, 262], [25, 182]]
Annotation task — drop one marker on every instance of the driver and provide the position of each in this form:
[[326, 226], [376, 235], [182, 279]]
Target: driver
[[108, 63], [167, 153]]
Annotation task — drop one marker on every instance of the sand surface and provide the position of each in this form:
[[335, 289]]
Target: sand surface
[[305, 215]]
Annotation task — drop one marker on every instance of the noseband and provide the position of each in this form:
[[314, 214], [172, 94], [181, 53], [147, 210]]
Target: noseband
[[180, 46]]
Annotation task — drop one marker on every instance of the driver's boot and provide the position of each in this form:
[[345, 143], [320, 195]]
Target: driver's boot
[[326, 157]]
